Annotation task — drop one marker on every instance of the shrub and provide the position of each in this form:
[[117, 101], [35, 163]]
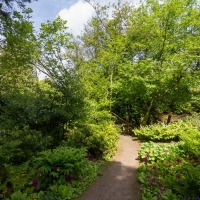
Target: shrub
[[159, 132], [100, 140], [151, 152], [194, 120], [19, 145], [187, 130], [191, 137], [14, 178], [63, 172], [64, 166], [162, 132]]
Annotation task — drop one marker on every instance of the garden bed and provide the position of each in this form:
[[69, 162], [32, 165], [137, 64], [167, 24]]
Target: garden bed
[[170, 170]]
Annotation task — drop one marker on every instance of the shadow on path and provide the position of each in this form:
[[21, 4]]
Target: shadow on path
[[119, 180]]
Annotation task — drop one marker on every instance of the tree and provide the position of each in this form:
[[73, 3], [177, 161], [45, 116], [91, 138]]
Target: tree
[[161, 39], [147, 58], [8, 6], [47, 107]]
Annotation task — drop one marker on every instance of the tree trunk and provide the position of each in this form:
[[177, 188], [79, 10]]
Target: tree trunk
[[146, 117]]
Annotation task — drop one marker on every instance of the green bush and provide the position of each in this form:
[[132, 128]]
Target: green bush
[[191, 134], [194, 120], [159, 132], [14, 178], [162, 132], [61, 161], [19, 145], [187, 131], [65, 166], [63, 172], [19, 195], [100, 140], [191, 137], [171, 171], [195, 101]]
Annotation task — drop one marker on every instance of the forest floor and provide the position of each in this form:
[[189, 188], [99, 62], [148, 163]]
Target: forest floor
[[119, 180]]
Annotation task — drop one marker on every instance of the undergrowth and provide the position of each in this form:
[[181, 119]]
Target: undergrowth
[[170, 170]]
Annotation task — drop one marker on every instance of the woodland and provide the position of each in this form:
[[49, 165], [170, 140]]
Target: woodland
[[129, 67]]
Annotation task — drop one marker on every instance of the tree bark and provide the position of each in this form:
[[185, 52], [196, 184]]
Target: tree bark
[[146, 117]]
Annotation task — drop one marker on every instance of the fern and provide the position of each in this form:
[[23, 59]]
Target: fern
[[20, 176]]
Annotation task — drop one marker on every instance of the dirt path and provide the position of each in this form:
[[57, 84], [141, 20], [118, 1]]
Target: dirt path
[[119, 181]]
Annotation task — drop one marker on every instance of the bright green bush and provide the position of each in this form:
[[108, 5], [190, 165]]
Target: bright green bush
[[191, 134], [162, 132], [187, 130], [159, 132], [104, 138], [170, 171], [194, 120], [100, 140], [191, 137]]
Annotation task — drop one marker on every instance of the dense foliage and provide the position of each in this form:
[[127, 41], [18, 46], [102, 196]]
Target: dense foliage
[[159, 132], [171, 171], [62, 173], [130, 66], [148, 60]]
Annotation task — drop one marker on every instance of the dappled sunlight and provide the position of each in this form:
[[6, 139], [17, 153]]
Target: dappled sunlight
[[117, 182], [119, 179]]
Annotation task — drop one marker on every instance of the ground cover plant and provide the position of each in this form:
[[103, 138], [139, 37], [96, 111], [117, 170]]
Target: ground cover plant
[[159, 132], [171, 170], [63, 172], [182, 129], [59, 174]]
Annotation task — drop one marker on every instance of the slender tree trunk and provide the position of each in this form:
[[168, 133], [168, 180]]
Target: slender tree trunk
[[146, 117], [169, 118]]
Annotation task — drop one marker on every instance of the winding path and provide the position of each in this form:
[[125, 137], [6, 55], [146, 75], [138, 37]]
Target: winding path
[[119, 180]]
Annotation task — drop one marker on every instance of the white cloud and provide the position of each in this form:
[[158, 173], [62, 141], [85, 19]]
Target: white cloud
[[77, 15]]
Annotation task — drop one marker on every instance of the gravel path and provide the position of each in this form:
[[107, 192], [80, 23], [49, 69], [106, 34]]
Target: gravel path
[[119, 180]]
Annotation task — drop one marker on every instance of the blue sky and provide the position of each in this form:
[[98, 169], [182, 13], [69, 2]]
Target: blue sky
[[76, 12], [44, 10]]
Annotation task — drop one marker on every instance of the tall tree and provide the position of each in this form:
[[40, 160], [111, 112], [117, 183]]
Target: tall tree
[[146, 58], [48, 107], [161, 38]]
